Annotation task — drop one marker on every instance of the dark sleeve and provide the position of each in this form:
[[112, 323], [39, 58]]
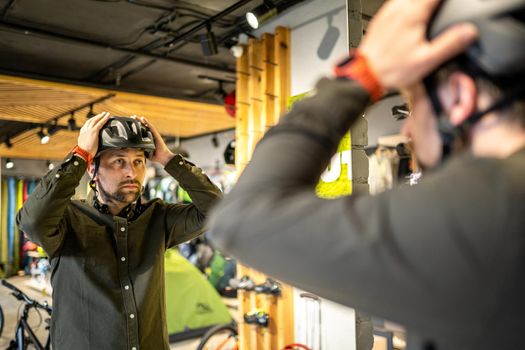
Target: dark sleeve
[[407, 254], [42, 215], [186, 221]]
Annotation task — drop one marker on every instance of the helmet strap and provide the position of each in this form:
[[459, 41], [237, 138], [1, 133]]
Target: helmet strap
[[92, 184], [450, 134]]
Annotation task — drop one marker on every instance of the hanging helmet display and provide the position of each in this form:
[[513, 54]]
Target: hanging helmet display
[[229, 104], [229, 153]]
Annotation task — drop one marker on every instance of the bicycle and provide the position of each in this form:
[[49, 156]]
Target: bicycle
[[1, 321], [225, 337], [25, 337], [220, 337]]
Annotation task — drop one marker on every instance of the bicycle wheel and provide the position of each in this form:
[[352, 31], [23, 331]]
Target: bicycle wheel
[[220, 337], [1, 321]]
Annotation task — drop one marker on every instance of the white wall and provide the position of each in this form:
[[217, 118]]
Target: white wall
[[380, 119], [310, 55], [204, 154]]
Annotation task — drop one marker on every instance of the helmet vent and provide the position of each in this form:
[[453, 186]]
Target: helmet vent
[[134, 128]]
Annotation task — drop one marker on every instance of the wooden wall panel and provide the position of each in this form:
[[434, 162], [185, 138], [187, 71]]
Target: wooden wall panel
[[262, 92], [282, 67]]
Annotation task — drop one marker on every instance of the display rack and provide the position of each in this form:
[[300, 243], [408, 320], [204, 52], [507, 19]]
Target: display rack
[[263, 87]]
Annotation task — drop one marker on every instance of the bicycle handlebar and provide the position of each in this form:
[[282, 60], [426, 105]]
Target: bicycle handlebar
[[17, 293], [10, 286]]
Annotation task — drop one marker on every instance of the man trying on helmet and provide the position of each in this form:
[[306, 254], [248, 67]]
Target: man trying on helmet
[[446, 257], [120, 156], [107, 254]]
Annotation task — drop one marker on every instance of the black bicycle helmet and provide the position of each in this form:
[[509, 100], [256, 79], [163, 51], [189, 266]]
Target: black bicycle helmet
[[125, 132], [500, 48], [229, 153], [498, 54]]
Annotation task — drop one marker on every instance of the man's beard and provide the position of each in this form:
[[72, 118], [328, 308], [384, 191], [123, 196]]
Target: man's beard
[[119, 195]]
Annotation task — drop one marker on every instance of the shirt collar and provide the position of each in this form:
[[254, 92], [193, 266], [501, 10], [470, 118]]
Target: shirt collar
[[130, 212]]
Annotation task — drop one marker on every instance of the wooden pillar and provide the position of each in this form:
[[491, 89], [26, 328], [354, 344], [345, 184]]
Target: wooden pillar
[[263, 88]]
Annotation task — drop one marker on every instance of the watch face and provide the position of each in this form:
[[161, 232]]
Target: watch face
[[347, 60], [341, 69]]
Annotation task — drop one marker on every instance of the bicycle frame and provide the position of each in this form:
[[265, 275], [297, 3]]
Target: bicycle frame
[[23, 328], [24, 335]]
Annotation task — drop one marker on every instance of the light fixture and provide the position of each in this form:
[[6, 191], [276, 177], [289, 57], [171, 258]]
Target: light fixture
[[8, 143], [52, 129], [220, 93], [71, 123], [208, 43], [215, 141], [237, 50], [261, 14], [90, 113], [329, 40], [9, 164], [44, 138]]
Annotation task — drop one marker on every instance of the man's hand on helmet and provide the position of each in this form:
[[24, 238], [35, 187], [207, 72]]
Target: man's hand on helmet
[[88, 136], [162, 153], [396, 44]]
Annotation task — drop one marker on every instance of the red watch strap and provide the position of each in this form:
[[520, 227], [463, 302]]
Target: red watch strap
[[357, 68], [83, 153]]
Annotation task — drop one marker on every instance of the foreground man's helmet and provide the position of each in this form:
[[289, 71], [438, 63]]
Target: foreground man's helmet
[[498, 55], [500, 48]]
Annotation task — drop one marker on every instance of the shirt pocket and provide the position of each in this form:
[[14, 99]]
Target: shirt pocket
[[98, 248]]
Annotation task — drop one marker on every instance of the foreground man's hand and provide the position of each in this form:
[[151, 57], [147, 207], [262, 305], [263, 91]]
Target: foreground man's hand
[[397, 48]]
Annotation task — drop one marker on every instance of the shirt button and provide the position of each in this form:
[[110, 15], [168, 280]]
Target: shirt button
[[131, 316], [126, 287], [180, 163], [133, 348], [75, 163], [57, 176], [122, 229], [123, 259]]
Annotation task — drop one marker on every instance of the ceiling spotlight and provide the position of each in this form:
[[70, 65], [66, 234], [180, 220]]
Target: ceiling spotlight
[[52, 129], [208, 43], [50, 165], [90, 113], [44, 138], [220, 93], [237, 50], [261, 14], [71, 123], [215, 141], [9, 164], [8, 143]]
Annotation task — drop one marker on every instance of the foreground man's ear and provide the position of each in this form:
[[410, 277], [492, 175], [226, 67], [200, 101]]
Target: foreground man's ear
[[459, 97]]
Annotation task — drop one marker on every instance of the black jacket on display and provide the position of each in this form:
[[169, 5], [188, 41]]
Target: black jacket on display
[[445, 258], [108, 271]]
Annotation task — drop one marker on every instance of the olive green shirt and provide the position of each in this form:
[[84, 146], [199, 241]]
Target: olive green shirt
[[445, 258], [108, 271]]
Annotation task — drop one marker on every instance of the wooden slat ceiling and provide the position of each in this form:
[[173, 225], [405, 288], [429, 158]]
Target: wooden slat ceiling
[[36, 101]]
